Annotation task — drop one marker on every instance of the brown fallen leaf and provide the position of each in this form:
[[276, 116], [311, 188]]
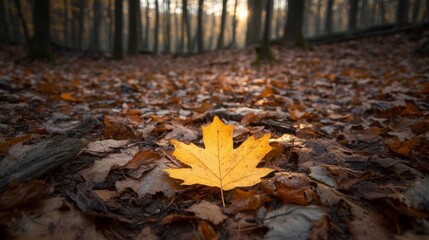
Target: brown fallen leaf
[[22, 194], [4, 147], [401, 147], [346, 177], [245, 200], [206, 231], [291, 188], [68, 97], [208, 211], [119, 128]]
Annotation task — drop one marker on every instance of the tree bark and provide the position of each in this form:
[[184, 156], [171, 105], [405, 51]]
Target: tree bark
[[402, 12], [253, 34], [220, 41], [156, 30], [200, 36], [293, 34], [98, 11], [318, 18], [234, 25], [81, 32], [118, 52], [23, 22], [3, 24], [133, 41], [416, 8], [264, 53], [353, 7], [328, 22], [167, 27], [40, 46], [185, 23], [66, 25], [364, 14], [147, 28]]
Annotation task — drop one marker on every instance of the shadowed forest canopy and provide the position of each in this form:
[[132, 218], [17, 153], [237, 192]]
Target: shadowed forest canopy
[[214, 119], [189, 26]]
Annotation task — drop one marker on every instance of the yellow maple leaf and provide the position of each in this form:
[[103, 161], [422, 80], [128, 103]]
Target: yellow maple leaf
[[219, 164]]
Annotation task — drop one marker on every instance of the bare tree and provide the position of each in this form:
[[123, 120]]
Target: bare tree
[[200, 34], [402, 12], [133, 40], [222, 25], [293, 33], [253, 34], [40, 46], [328, 22], [264, 52], [118, 51], [156, 30], [96, 28]]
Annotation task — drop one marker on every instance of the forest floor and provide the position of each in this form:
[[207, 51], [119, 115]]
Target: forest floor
[[349, 126]]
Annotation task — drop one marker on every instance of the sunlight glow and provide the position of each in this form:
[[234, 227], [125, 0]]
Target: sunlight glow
[[242, 13]]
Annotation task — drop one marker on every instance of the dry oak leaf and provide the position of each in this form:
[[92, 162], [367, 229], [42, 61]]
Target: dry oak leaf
[[219, 164]]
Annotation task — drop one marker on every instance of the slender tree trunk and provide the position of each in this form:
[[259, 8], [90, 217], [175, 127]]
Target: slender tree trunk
[[81, 33], [111, 25], [23, 22], [222, 26], [140, 27], [212, 33], [402, 12], [318, 18], [382, 12], [118, 51], [234, 25], [66, 24], [3, 24], [253, 34], [200, 36], [328, 22], [264, 53], [364, 19], [353, 7], [416, 8], [186, 23], [177, 35], [133, 41], [168, 27], [293, 33], [155, 39], [40, 46], [98, 11], [147, 28]]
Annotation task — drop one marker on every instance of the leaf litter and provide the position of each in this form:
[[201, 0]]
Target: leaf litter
[[349, 139]]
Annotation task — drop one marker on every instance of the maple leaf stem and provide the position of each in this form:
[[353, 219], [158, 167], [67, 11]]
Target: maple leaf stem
[[223, 199]]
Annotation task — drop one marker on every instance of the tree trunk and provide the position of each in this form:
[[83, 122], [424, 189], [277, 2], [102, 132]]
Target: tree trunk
[[40, 46], [147, 28], [264, 52], [318, 18], [402, 12], [293, 34], [177, 37], [200, 36], [111, 25], [353, 7], [155, 40], [328, 22], [382, 13], [167, 28], [140, 27], [253, 34], [416, 8], [222, 26], [364, 14], [426, 16], [3, 24], [118, 52], [66, 36], [133, 41], [234, 25], [81, 32], [98, 14], [22, 18], [186, 23]]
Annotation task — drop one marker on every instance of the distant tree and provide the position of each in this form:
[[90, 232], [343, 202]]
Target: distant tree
[[222, 25], [293, 33], [167, 27], [234, 25], [97, 8], [118, 51], [186, 23], [40, 45], [200, 23], [254, 23], [426, 16], [382, 12], [318, 17], [353, 7], [81, 32], [264, 51], [328, 20], [66, 23], [22, 18], [364, 14], [147, 28], [3, 24], [416, 8], [156, 30], [402, 12], [110, 14], [133, 40]]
